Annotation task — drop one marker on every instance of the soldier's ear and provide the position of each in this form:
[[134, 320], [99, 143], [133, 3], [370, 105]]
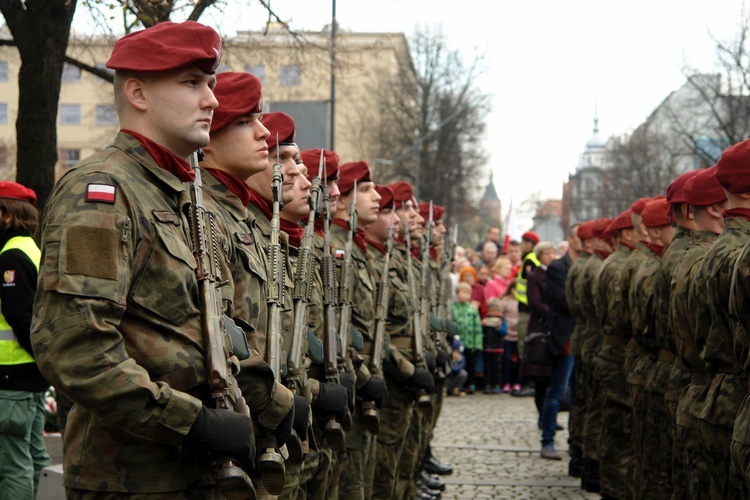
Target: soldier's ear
[[135, 93]]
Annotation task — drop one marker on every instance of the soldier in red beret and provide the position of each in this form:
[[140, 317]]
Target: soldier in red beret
[[118, 329]]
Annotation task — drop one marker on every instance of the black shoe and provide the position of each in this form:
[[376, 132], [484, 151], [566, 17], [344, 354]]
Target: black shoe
[[424, 489], [431, 482], [423, 496], [432, 466], [575, 467]]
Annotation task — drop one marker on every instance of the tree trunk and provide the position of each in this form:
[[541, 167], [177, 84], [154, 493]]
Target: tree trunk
[[40, 29]]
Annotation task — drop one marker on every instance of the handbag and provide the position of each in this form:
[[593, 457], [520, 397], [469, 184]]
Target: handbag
[[536, 348]]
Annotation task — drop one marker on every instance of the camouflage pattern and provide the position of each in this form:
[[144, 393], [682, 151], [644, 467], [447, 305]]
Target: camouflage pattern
[[647, 471], [726, 380], [95, 257], [576, 308], [738, 310], [316, 470], [411, 456], [686, 451], [268, 401], [589, 337], [615, 441]]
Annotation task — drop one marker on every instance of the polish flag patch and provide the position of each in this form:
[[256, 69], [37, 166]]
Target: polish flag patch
[[100, 192], [339, 254]]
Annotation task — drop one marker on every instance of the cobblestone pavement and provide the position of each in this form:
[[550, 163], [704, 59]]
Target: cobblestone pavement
[[493, 444]]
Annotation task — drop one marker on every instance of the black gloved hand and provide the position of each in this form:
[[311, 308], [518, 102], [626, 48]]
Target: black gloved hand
[[333, 399], [284, 429], [301, 416], [373, 390], [422, 379], [223, 433], [442, 358], [347, 381], [429, 360]]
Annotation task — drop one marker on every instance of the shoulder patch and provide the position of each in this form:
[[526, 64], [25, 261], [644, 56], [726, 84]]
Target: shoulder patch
[[339, 253], [100, 193], [9, 277]]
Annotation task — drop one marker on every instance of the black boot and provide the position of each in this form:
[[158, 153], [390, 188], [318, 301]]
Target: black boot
[[590, 480], [433, 465], [576, 464], [431, 482]]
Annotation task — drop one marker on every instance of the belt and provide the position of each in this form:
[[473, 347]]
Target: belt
[[698, 378], [402, 342], [666, 356], [614, 340]]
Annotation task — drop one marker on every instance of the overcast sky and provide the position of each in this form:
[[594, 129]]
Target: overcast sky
[[550, 64]]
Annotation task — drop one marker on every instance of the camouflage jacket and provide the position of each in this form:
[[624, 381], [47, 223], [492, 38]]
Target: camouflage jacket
[[609, 306], [738, 309], [642, 317], [725, 387], [591, 335], [267, 400], [575, 273], [629, 268], [117, 325], [665, 280]]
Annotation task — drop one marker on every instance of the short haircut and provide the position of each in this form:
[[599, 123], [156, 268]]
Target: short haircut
[[573, 229], [514, 243], [542, 247], [463, 286], [501, 261], [494, 304]]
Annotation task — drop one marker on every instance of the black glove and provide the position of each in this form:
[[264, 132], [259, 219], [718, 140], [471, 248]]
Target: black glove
[[301, 416], [373, 390], [333, 399], [347, 381], [429, 360], [284, 429], [223, 433], [442, 358], [422, 379]]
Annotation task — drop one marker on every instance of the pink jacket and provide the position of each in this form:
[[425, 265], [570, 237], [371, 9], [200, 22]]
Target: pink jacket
[[509, 308], [496, 287]]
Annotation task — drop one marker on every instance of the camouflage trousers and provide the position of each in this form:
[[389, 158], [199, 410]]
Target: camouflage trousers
[[645, 473], [740, 449], [616, 450], [578, 406], [352, 461], [209, 492], [411, 457], [716, 442], [592, 420], [659, 408], [316, 470], [678, 480], [395, 418], [696, 470]]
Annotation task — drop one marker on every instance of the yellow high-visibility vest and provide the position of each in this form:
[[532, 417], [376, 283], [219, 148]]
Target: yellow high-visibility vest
[[521, 283], [11, 352]]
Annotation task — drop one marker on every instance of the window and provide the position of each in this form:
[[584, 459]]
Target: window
[[102, 66], [290, 76], [70, 114], [3, 71], [71, 73], [3, 156], [3, 112], [258, 70], [106, 115], [69, 157]]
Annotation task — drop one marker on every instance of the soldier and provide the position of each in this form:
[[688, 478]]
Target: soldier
[[707, 201], [575, 273], [590, 337], [666, 377], [119, 268], [22, 387], [615, 443], [725, 379], [656, 219]]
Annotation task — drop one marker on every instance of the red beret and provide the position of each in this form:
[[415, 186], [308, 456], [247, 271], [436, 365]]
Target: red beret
[[15, 191], [622, 221], [733, 168], [676, 189], [311, 159], [239, 94], [704, 189], [353, 171], [167, 46], [386, 196], [656, 213], [598, 226], [280, 124], [638, 205], [424, 210], [585, 230], [402, 192], [530, 236]]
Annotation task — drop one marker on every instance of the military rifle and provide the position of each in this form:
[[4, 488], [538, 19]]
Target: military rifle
[[333, 432], [271, 462], [345, 284], [370, 413], [425, 295], [220, 334], [423, 399]]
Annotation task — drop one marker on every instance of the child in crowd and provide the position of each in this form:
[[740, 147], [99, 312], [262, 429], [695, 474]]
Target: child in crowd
[[456, 379], [509, 310], [501, 278], [477, 289], [466, 317], [494, 329]]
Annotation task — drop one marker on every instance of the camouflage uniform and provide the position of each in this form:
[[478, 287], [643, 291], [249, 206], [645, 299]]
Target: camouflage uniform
[[685, 330], [123, 273], [615, 442], [642, 357], [667, 379], [738, 309], [396, 413], [726, 381], [575, 273]]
